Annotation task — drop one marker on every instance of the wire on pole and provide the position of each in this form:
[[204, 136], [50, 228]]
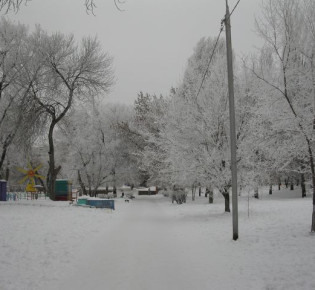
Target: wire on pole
[[210, 59], [234, 8], [214, 48]]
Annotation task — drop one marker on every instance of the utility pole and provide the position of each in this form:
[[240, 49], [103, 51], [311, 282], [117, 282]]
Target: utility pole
[[232, 121]]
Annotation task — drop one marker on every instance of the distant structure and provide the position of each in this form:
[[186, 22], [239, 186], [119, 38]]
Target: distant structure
[[153, 190]]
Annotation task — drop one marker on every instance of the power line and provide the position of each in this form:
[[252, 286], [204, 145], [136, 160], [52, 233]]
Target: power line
[[210, 59], [234, 8], [214, 48]]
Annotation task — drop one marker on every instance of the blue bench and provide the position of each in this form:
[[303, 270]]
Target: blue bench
[[101, 203]]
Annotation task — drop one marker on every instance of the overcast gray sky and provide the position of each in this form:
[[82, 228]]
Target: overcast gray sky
[[151, 40]]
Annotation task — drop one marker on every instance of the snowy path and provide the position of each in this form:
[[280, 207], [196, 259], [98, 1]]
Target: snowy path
[[151, 244], [144, 250]]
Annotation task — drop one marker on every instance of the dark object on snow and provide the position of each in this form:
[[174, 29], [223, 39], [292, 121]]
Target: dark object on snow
[[256, 194], [114, 191], [63, 190], [179, 197], [3, 190], [210, 193], [303, 185]]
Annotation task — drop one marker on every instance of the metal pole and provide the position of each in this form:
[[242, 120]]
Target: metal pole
[[232, 121]]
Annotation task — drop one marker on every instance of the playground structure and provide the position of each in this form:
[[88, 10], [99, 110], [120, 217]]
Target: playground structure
[[17, 192], [30, 174], [63, 190]]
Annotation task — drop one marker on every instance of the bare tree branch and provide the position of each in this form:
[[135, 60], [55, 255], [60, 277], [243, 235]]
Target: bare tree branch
[[14, 5]]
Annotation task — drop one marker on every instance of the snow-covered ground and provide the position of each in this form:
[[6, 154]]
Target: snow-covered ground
[[150, 243]]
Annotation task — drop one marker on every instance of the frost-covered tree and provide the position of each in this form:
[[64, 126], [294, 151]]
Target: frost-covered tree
[[150, 122], [286, 70], [19, 116], [142, 133], [98, 156], [61, 73], [197, 131], [255, 147]]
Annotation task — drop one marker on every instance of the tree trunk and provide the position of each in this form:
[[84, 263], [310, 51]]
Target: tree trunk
[[199, 190], [3, 155], [313, 182], [279, 184], [226, 196], [286, 181], [210, 193], [227, 202], [270, 189], [256, 194], [193, 192], [81, 183], [292, 185], [51, 170], [303, 185], [7, 171], [211, 196]]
